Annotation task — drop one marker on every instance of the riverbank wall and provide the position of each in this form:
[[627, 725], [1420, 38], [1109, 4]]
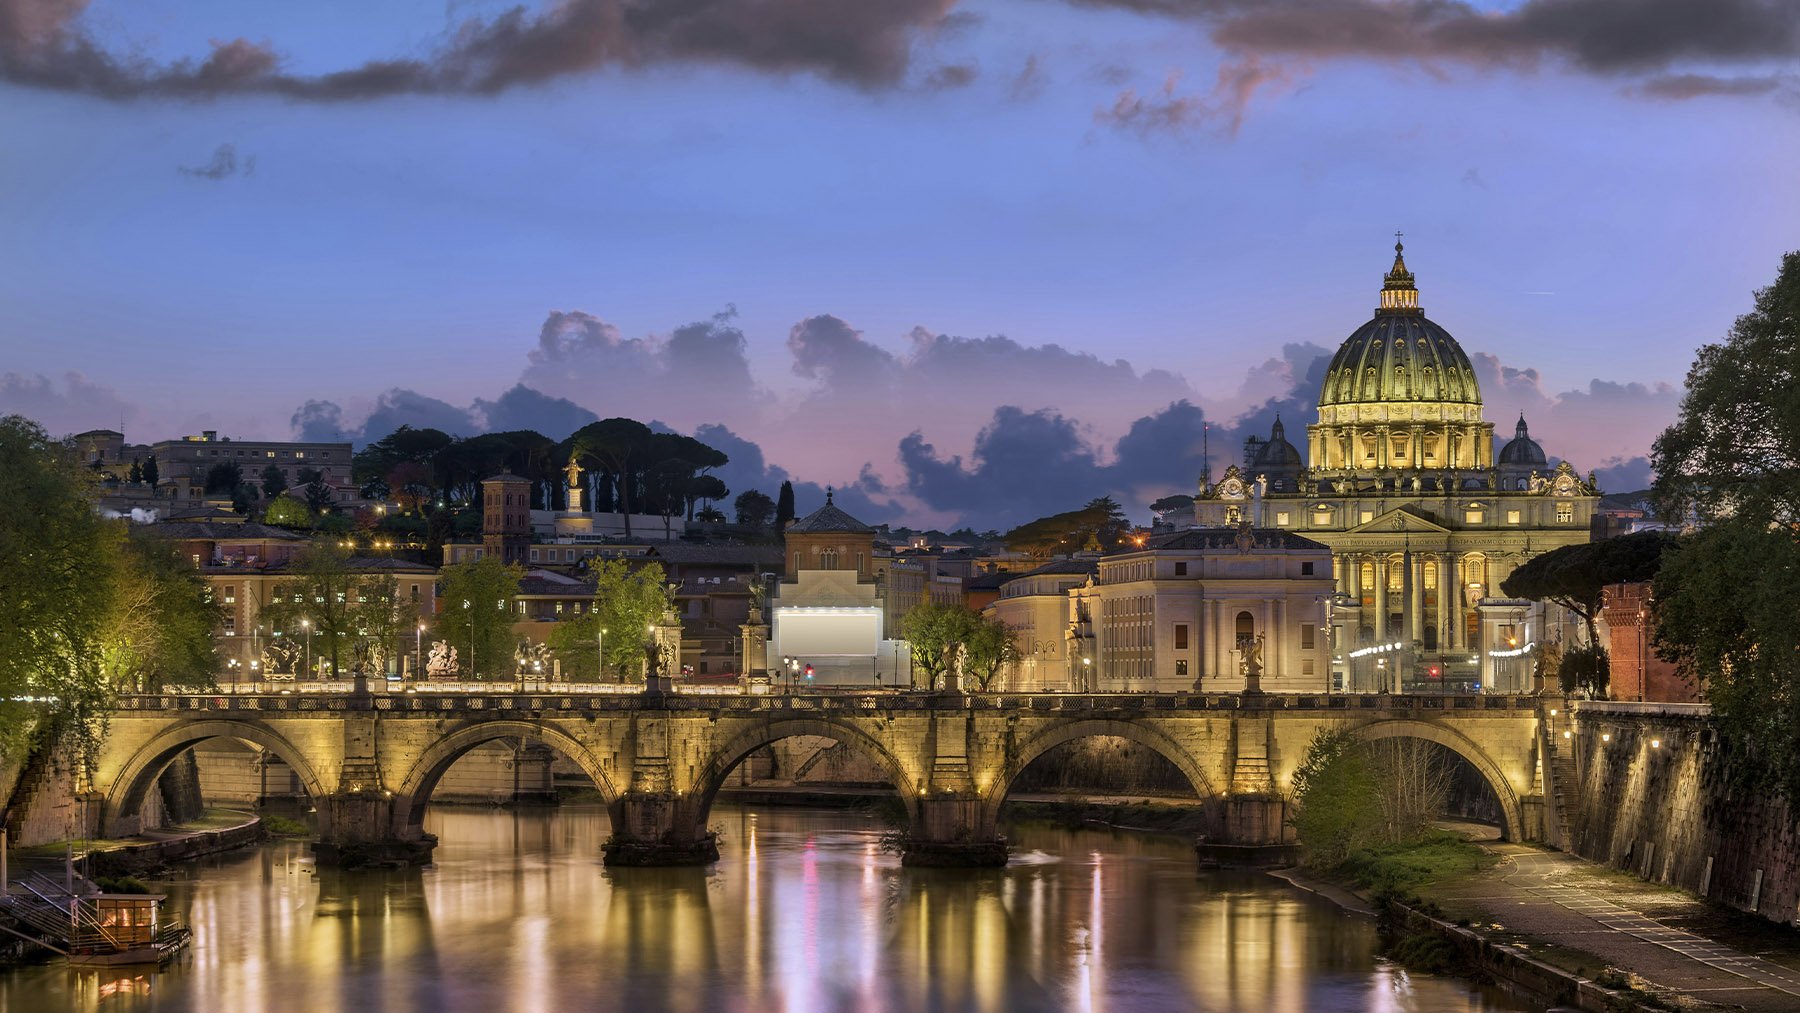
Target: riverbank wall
[[138, 858], [1653, 797]]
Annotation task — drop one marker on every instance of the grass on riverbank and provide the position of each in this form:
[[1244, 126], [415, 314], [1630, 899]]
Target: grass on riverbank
[[1401, 870]]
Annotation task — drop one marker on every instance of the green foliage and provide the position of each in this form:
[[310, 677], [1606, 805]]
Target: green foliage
[[621, 447], [1170, 504], [351, 619], [1725, 605], [1399, 870], [1726, 597], [151, 475], [274, 482], [626, 603], [1060, 534], [936, 631], [314, 490], [283, 826], [1334, 789], [223, 478], [784, 506], [57, 581], [992, 645], [1735, 449], [160, 620], [754, 509], [1575, 576], [285, 511], [373, 462], [476, 603], [1588, 669]]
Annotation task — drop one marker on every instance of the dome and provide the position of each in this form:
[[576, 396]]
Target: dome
[[1278, 453], [1523, 450], [1399, 355]]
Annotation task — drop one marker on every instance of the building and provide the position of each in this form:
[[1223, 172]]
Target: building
[[826, 624], [1401, 481], [1637, 673], [506, 517], [1036, 604], [182, 465]]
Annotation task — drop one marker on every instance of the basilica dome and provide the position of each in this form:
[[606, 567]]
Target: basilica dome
[[1399, 356]]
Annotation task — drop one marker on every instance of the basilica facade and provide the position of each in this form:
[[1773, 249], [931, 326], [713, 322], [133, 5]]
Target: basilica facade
[[1423, 519]]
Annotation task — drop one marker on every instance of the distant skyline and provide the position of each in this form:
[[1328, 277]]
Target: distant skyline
[[962, 258]]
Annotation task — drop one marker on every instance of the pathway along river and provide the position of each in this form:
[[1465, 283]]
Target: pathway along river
[[805, 912]]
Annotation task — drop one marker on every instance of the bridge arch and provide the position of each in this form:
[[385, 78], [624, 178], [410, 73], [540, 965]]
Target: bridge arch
[[1463, 746], [1143, 734], [711, 776], [126, 796], [429, 769]]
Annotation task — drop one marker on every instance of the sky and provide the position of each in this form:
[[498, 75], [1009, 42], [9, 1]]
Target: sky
[[968, 262]]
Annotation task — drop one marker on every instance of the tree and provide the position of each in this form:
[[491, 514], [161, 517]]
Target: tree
[[1110, 522], [1735, 449], [150, 473], [410, 484], [784, 506], [223, 478], [1726, 596], [314, 489], [274, 482], [705, 489], [1575, 576], [620, 446], [136, 474], [373, 463], [1180, 502], [754, 509], [710, 515], [1334, 795], [992, 646], [1063, 533], [475, 614], [58, 582], [935, 632], [319, 605], [243, 498], [160, 620], [626, 603]]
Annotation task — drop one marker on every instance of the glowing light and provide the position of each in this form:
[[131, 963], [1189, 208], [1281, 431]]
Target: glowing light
[[1606, 737], [1655, 743]]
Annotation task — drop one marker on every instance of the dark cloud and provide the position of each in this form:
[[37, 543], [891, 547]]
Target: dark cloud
[[321, 422], [224, 163], [1610, 37], [523, 408], [1605, 422], [950, 77], [1624, 474], [865, 496], [1679, 87], [868, 45], [1029, 464], [697, 374], [76, 406]]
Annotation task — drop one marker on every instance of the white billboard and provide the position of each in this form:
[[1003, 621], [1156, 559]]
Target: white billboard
[[842, 632]]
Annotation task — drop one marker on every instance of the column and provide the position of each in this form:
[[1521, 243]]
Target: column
[[1275, 663], [1415, 607], [1381, 617], [1444, 566]]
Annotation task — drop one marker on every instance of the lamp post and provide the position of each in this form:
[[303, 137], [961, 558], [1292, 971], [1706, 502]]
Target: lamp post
[[466, 608], [255, 675], [1087, 674], [306, 624], [600, 655], [419, 652], [233, 665]]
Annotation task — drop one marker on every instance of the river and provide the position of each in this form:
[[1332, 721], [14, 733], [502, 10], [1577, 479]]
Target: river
[[804, 912]]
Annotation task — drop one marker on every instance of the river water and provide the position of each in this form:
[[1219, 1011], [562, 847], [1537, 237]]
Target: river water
[[804, 912]]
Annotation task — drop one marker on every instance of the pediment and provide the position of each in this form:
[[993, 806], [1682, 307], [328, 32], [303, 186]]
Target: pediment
[[1400, 521]]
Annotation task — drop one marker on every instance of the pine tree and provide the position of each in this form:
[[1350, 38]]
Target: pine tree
[[784, 506]]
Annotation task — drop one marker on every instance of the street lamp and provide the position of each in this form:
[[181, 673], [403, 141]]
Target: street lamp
[[466, 604], [1087, 674], [600, 655], [306, 624], [233, 665], [419, 652]]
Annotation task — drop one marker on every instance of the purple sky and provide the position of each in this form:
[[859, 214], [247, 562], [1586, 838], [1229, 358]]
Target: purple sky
[[1019, 230]]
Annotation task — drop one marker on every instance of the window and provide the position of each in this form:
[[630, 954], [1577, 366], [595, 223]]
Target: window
[[299, 453], [415, 592], [1180, 569], [1306, 569], [568, 555], [1365, 516], [559, 607], [1512, 517], [1281, 518], [1472, 515], [196, 558], [271, 453], [1245, 630], [1565, 513], [1306, 636], [1181, 636], [1181, 667], [534, 555], [1306, 666], [230, 595]]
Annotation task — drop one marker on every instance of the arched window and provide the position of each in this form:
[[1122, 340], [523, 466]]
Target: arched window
[[1246, 630]]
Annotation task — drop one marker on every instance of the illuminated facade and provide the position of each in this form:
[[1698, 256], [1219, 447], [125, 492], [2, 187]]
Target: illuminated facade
[[1423, 519]]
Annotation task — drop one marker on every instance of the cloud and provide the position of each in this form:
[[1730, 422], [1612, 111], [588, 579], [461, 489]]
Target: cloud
[[1602, 424], [1679, 87], [950, 77], [43, 43], [1168, 111], [1029, 83], [1030, 464], [523, 408], [224, 163], [77, 406], [1473, 178], [697, 374], [865, 496]]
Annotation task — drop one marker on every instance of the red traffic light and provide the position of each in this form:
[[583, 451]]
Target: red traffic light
[[1434, 671], [809, 671]]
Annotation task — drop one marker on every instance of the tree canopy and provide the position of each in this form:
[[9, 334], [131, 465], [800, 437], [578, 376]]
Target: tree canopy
[[476, 604], [1063, 533], [1727, 595], [1575, 576], [627, 601]]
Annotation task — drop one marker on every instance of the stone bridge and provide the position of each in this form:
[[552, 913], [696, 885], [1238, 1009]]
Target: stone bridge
[[370, 761]]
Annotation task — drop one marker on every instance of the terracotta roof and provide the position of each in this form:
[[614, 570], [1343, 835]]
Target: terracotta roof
[[223, 532], [829, 519]]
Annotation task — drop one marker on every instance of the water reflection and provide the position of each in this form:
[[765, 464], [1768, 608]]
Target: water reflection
[[805, 913]]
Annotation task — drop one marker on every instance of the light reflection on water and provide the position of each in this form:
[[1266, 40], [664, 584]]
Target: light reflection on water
[[805, 912]]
